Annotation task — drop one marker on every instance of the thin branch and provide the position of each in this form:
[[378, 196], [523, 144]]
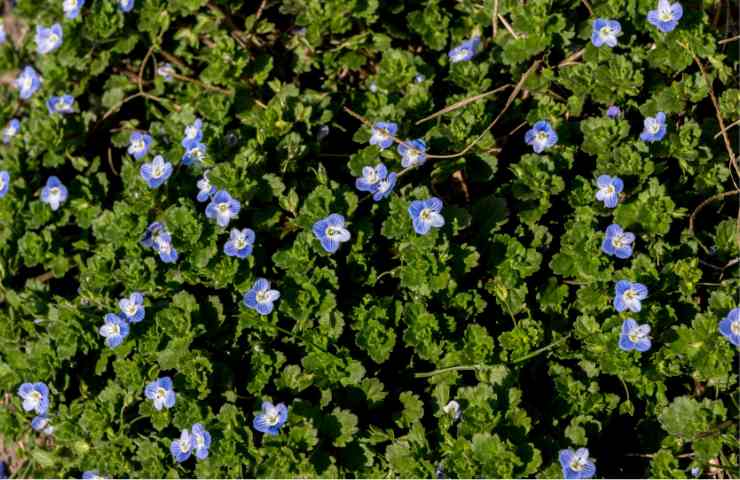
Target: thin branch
[[202, 84], [462, 103], [141, 68], [571, 60], [494, 18], [508, 27], [707, 202], [733, 124], [728, 40], [588, 7]]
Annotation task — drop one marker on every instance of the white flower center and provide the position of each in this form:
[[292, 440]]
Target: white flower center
[[199, 441], [630, 295], [636, 334], [165, 248], [157, 171], [618, 241], [205, 184], [272, 417], [10, 131], [26, 82], [161, 393], [382, 134], [131, 309], [609, 190], [263, 296], [70, 5], [223, 207], [240, 242], [605, 32], [138, 145], [735, 327], [115, 329], [35, 396], [2, 183], [665, 14], [577, 464], [426, 214], [191, 132], [372, 177], [51, 40], [54, 192], [461, 54], [184, 445], [541, 137], [653, 127]]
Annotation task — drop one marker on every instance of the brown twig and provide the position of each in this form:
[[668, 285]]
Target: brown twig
[[202, 84], [494, 18], [704, 204], [110, 162], [588, 7], [733, 124], [259, 10], [571, 60], [462, 103], [728, 40], [508, 27], [141, 68]]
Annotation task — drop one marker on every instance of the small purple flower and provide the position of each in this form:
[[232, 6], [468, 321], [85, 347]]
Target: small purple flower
[[240, 243], [201, 441], [613, 111], [4, 182], [382, 134], [27, 82], [132, 308], [419, 78], [634, 336], [271, 418], [605, 32], [35, 397], [167, 252], [413, 153], [666, 16], [41, 424], [153, 235], [368, 182], [617, 242], [609, 190], [385, 187], [730, 326], [576, 464], [157, 172], [453, 409], [223, 208], [629, 296], [139, 144], [205, 189], [54, 193], [196, 152], [331, 232], [72, 8], [425, 215], [541, 136], [126, 6], [161, 392], [182, 447], [465, 51], [11, 130], [62, 104], [92, 475], [48, 39], [115, 329], [2, 40], [260, 297], [193, 134], [654, 128]]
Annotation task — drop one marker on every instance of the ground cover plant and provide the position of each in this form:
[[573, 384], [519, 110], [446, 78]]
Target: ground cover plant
[[354, 238]]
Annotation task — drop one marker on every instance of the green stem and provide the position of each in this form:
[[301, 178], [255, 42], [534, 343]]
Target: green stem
[[461, 368]]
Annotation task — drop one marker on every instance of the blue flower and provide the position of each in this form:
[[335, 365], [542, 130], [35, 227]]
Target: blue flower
[[368, 182], [666, 16], [271, 418], [201, 441], [195, 152], [385, 187], [331, 232], [62, 104], [613, 111], [240, 243], [413, 153], [166, 70], [14, 125], [126, 6], [138, 144], [182, 447], [35, 397], [260, 297], [92, 475], [54, 193], [730, 326], [193, 134], [576, 464], [654, 128], [373, 87], [167, 252], [133, 307], [617, 242], [72, 8], [425, 215], [115, 329], [628, 296], [376, 180], [541, 136], [41, 424], [48, 39], [4, 182], [205, 189], [419, 78], [153, 234], [223, 208], [157, 172], [465, 51], [634, 336], [2, 40], [27, 82], [609, 190], [161, 392], [605, 32], [453, 409], [382, 134]]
